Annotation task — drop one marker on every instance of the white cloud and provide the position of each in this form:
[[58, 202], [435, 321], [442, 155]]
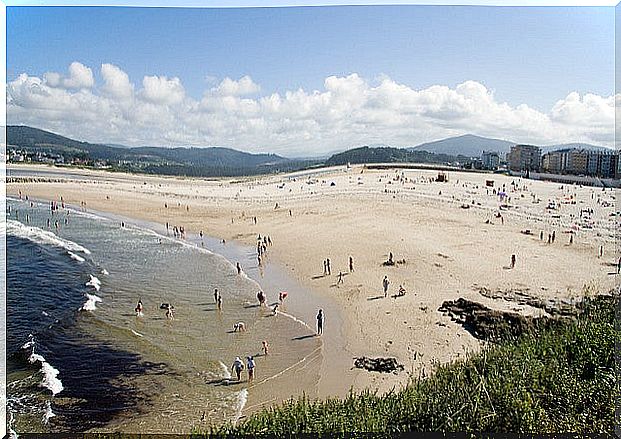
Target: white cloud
[[116, 82], [347, 112], [79, 77], [161, 90], [229, 87]]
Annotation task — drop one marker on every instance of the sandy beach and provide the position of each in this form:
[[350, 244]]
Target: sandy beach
[[447, 235]]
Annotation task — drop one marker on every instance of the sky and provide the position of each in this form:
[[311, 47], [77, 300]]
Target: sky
[[306, 81]]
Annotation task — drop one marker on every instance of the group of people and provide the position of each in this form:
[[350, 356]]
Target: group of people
[[262, 244]]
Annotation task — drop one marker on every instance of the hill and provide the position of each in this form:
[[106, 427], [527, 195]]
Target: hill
[[366, 154], [209, 161], [468, 145]]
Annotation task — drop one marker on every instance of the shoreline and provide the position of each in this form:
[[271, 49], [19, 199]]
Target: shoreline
[[450, 251]]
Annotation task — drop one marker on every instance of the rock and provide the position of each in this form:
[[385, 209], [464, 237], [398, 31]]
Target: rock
[[382, 365]]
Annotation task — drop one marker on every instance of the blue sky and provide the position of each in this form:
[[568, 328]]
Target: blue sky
[[528, 55]]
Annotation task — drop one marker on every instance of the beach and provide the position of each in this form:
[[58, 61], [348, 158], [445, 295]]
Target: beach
[[446, 240]]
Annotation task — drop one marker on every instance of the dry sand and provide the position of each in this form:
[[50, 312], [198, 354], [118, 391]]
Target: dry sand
[[449, 250]]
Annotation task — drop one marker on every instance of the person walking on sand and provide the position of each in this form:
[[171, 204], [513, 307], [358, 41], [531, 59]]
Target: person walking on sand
[[238, 366], [325, 268], [571, 238], [340, 279], [266, 347], [351, 264], [541, 236], [553, 236], [320, 319], [385, 284], [512, 261], [619, 266], [328, 266], [601, 251], [251, 366], [216, 295], [238, 268]]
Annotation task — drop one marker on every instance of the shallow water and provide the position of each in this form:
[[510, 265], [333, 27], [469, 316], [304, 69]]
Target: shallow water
[[92, 364]]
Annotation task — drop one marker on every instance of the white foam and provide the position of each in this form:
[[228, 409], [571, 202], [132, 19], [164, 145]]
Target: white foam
[[86, 214], [242, 398], [226, 373], [48, 413], [136, 333], [45, 314], [76, 257], [94, 282], [91, 302], [104, 272], [50, 374], [40, 236]]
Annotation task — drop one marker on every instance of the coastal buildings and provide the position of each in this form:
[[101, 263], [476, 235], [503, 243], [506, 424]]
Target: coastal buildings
[[597, 163], [490, 160], [524, 158]]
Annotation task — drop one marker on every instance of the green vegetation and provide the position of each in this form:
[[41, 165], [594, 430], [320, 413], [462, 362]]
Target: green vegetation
[[556, 379], [391, 155]]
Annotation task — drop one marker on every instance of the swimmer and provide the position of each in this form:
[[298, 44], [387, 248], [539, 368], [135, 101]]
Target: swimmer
[[139, 308]]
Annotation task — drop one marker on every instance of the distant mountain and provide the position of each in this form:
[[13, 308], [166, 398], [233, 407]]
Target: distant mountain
[[209, 161], [468, 145]]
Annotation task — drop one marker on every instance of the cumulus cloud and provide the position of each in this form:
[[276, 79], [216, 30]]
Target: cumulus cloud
[[229, 87], [349, 111], [79, 77], [161, 90]]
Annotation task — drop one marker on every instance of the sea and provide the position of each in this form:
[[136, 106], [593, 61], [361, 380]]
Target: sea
[[79, 359]]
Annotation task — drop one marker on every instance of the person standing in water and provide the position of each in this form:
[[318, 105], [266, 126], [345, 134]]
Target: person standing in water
[[216, 295], [138, 308], [219, 302], [266, 347], [251, 366], [320, 319], [238, 366]]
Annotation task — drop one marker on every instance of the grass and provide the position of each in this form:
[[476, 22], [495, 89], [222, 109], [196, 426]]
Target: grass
[[557, 379]]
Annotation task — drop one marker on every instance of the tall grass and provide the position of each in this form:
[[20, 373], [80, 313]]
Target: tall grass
[[558, 379]]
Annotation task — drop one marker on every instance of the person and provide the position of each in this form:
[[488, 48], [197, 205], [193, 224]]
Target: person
[[282, 296], [340, 280], [219, 302], [328, 266], [351, 264], [216, 295], [571, 238], [512, 261], [541, 236], [138, 308], [238, 268], [261, 297], [320, 318], [259, 260], [238, 366], [266, 347], [251, 366], [619, 266], [401, 291], [553, 236], [239, 327], [385, 284], [325, 267], [169, 312], [601, 251], [275, 309]]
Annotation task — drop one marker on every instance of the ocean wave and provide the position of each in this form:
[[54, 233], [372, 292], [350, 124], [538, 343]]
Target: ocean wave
[[94, 282], [242, 398], [48, 413], [136, 333], [50, 374], [40, 236], [226, 373], [86, 214], [91, 302], [76, 257]]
